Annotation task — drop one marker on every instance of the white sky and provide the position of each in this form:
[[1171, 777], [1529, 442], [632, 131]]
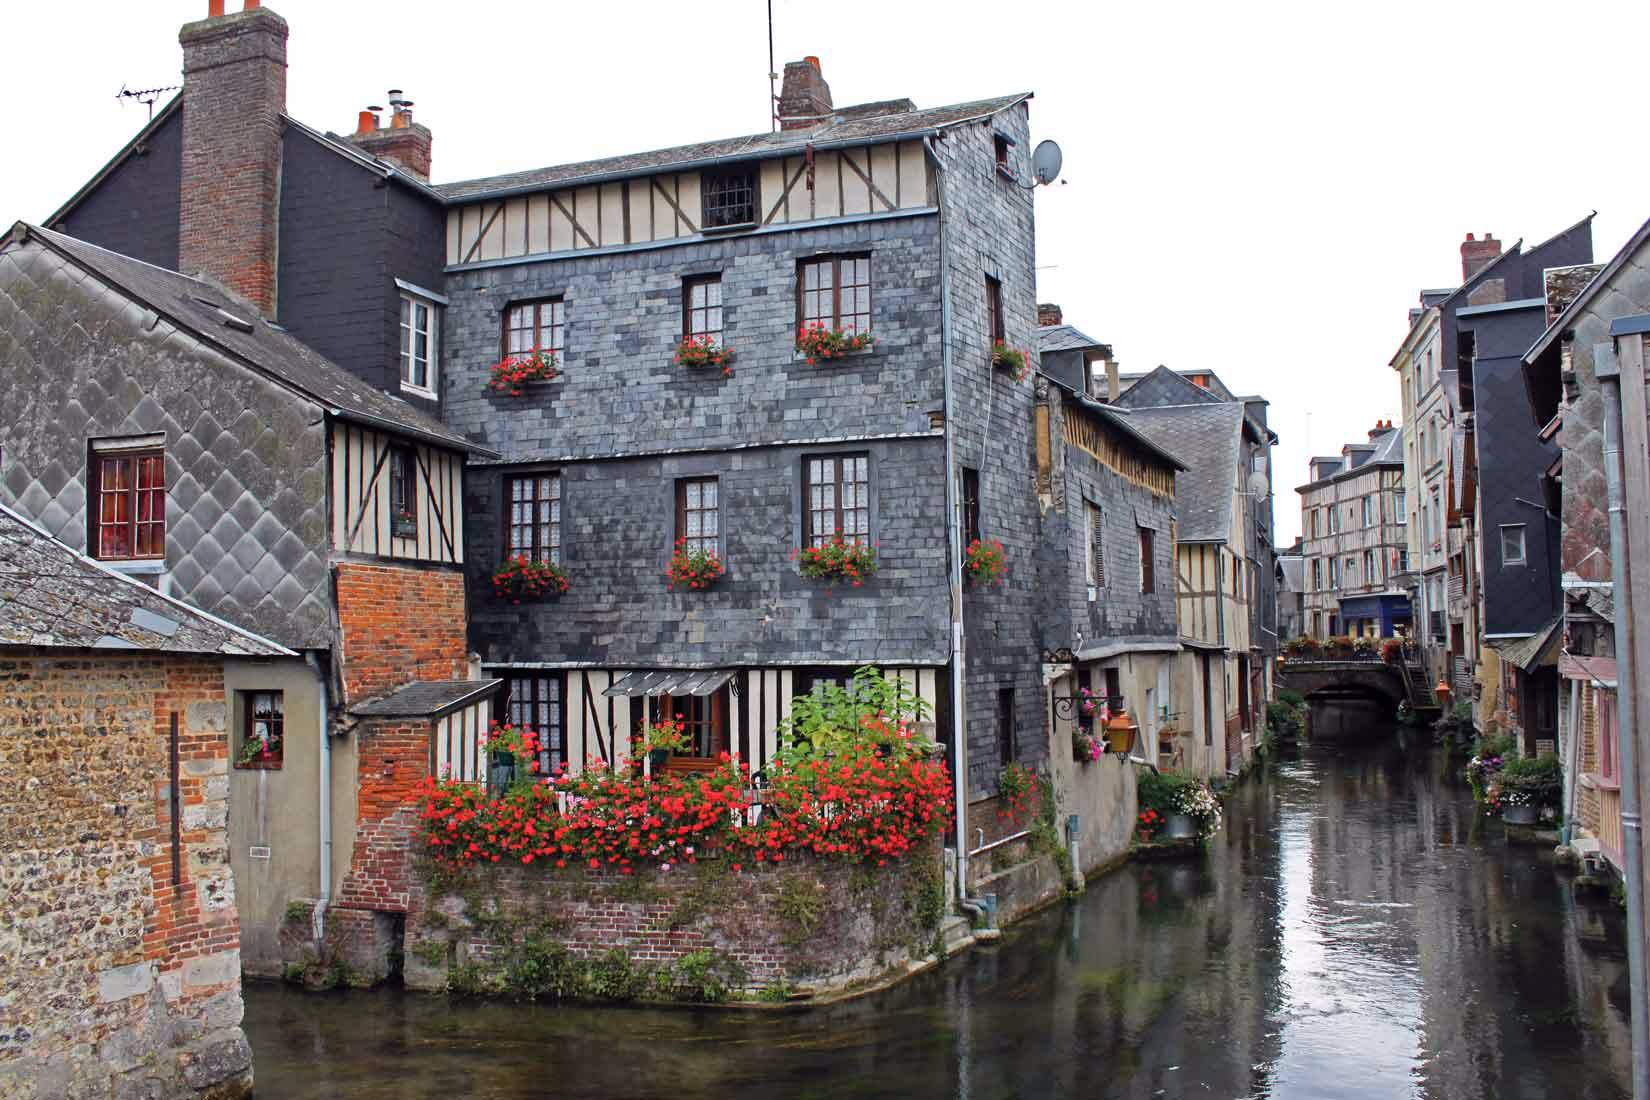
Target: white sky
[[1258, 188]]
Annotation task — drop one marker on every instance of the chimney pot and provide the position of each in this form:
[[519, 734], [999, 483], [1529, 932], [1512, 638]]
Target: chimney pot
[[214, 8], [250, 4], [1049, 314], [366, 122]]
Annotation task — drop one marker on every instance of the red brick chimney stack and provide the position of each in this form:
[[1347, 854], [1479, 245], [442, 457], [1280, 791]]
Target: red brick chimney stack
[[804, 96], [234, 90], [1475, 254], [1049, 314], [402, 142]]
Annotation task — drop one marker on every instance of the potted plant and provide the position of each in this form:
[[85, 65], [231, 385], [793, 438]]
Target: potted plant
[[815, 341], [1392, 650], [1085, 747], [658, 740], [513, 373], [694, 569], [704, 351], [523, 578], [1528, 787], [1010, 360], [985, 563], [838, 559], [259, 752]]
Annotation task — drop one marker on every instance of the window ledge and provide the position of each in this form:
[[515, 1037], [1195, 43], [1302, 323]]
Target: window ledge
[[799, 356], [148, 567], [419, 391]]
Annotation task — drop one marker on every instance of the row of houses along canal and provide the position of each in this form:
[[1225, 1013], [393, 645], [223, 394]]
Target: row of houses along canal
[[1355, 930]]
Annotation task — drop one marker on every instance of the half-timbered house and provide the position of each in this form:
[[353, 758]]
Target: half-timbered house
[[162, 425]]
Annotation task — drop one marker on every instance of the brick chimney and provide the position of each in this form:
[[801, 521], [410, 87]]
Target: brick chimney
[[804, 96], [403, 141], [1049, 314], [234, 90], [1475, 254]]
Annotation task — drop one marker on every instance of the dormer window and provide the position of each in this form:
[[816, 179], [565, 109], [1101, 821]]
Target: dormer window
[[729, 198]]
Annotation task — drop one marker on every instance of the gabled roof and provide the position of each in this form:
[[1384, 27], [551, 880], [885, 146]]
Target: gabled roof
[[1208, 439], [52, 596], [1565, 320], [1066, 338], [847, 127], [1388, 450], [235, 327], [1164, 387], [1116, 418]]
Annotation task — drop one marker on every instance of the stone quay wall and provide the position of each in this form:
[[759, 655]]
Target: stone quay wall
[[119, 968]]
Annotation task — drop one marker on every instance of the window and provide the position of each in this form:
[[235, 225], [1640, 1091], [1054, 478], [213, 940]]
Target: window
[[1351, 572], [534, 702], [1096, 544], [1334, 572], [1005, 726], [1399, 502], [403, 492], [970, 505], [697, 527], [1606, 733], [1369, 567], [1403, 561], [1114, 689], [1334, 520], [1317, 523], [729, 198], [1148, 577], [1000, 146], [1369, 511], [420, 341], [702, 308], [535, 516], [808, 681], [837, 489], [1512, 544], [128, 519], [703, 718], [263, 729], [994, 308], [1317, 574], [536, 326], [834, 291]]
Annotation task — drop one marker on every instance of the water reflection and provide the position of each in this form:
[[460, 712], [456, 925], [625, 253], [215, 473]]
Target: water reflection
[[1354, 932]]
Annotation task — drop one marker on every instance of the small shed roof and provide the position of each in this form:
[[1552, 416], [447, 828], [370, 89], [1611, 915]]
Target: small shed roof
[[426, 699]]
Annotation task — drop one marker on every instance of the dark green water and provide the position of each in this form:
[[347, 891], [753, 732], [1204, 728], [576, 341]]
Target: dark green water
[[1353, 932]]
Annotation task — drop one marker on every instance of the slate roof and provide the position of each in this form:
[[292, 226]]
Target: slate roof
[[1065, 338], [235, 326], [1388, 451], [53, 596], [849, 126], [1208, 440], [1116, 418], [1526, 653], [1294, 572], [1581, 301], [426, 699]]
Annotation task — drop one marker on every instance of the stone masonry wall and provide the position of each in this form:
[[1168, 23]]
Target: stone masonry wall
[[811, 926], [398, 624], [113, 980]]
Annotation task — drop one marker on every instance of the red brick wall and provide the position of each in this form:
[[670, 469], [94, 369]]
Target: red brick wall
[[399, 624], [393, 759], [234, 90]]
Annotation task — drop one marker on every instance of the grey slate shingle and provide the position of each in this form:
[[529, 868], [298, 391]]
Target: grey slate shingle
[[1208, 439], [425, 698], [51, 596]]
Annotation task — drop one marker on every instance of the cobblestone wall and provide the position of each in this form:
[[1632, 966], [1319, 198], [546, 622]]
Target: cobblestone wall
[[113, 979]]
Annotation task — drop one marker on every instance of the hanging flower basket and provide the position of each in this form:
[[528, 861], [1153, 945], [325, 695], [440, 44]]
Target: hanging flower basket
[[985, 563], [404, 525], [693, 569], [1011, 361], [704, 351], [511, 376], [815, 342], [521, 578], [838, 560]]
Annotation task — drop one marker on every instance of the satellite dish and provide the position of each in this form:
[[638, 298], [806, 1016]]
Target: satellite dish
[[1045, 162], [1258, 485]]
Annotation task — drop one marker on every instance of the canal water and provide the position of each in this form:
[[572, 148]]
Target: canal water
[[1354, 931]]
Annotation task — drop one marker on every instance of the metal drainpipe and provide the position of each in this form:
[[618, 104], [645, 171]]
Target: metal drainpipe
[[959, 708], [1608, 372], [1572, 762], [325, 784]]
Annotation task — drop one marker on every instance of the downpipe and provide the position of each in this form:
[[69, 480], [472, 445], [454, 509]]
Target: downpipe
[[1608, 371], [324, 897]]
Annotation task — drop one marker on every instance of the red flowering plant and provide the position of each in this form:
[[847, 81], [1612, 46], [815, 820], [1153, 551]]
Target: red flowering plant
[[510, 374], [985, 563], [838, 560], [693, 569], [704, 351], [816, 341], [1011, 360], [523, 578], [1016, 784], [1147, 824]]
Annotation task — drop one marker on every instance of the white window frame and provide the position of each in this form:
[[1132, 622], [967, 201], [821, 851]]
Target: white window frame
[[1523, 548], [410, 303]]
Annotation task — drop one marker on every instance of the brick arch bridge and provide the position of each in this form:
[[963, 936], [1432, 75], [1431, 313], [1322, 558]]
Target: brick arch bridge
[[1344, 678]]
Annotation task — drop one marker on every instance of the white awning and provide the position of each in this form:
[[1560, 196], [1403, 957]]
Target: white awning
[[670, 682]]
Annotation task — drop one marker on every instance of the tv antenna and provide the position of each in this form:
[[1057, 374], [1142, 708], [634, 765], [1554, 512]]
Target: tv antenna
[[773, 79], [145, 96]]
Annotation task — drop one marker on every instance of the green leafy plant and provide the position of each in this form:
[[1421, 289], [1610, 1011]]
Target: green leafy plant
[[872, 712], [1010, 360], [665, 735], [1532, 781], [1163, 793]]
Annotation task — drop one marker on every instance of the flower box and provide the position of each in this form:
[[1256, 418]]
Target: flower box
[[1011, 361], [695, 570], [704, 351], [815, 342], [511, 375], [985, 563], [521, 578], [404, 526], [838, 560]]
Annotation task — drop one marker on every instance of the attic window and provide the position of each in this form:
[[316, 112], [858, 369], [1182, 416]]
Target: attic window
[[730, 198], [1002, 145]]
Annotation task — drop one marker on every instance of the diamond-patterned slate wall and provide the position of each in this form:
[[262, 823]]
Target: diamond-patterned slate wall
[[245, 459]]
